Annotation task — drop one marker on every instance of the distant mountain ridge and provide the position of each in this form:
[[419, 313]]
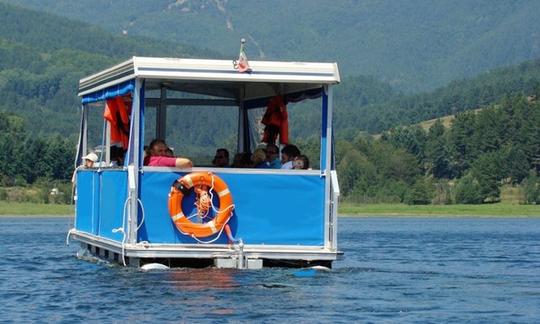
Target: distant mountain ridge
[[414, 45], [40, 66], [43, 56], [40, 73], [458, 96]]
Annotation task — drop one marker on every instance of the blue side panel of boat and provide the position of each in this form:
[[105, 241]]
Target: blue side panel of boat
[[97, 213], [112, 200], [269, 209], [84, 210], [156, 227]]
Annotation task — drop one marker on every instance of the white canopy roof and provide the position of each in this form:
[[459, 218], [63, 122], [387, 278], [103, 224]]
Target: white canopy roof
[[216, 77]]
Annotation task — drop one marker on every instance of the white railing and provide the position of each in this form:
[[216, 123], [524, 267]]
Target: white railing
[[334, 203]]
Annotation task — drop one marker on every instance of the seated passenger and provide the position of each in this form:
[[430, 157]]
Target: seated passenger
[[272, 156], [221, 159], [288, 153], [158, 156], [301, 162], [259, 159], [242, 160], [89, 160], [117, 156]]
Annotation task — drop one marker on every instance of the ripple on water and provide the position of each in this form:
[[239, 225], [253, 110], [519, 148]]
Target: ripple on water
[[410, 270]]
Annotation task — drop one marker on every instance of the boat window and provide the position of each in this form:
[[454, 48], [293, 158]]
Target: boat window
[[95, 139], [105, 142], [150, 130], [197, 131], [305, 129]]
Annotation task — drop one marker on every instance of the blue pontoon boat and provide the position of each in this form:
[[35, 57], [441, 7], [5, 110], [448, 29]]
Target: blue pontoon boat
[[274, 217]]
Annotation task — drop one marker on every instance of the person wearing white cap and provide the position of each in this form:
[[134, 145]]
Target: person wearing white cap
[[90, 159]]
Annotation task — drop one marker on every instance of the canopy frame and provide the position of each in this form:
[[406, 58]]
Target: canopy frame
[[225, 87]]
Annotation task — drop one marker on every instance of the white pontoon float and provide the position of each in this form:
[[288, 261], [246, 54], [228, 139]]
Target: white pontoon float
[[275, 217]]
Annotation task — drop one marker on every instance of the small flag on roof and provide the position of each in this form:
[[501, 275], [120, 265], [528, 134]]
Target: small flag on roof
[[242, 64]]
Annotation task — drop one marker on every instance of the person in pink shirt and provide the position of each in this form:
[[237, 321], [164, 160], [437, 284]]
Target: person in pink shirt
[[158, 157]]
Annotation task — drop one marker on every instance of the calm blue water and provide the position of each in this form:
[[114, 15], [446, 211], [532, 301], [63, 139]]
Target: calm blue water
[[408, 269]]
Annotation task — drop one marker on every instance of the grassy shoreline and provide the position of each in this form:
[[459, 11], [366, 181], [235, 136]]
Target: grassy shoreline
[[356, 210], [33, 209], [486, 210]]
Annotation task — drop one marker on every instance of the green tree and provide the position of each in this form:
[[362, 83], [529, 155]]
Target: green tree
[[461, 150], [437, 152], [356, 173], [532, 189], [468, 191], [11, 135], [421, 193], [515, 164], [412, 139], [488, 172]]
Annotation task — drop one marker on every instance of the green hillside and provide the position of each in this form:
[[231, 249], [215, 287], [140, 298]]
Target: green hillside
[[39, 72], [458, 96], [41, 64], [467, 162], [414, 45]]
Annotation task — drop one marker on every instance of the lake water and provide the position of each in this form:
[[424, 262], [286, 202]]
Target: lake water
[[395, 269]]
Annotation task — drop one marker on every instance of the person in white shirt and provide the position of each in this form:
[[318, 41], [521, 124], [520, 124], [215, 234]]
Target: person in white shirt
[[288, 153]]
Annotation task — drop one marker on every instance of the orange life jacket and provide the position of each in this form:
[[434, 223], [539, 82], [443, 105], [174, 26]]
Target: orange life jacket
[[276, 120], [117, 114]]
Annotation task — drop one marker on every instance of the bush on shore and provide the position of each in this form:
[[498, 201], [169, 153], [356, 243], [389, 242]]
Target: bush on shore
[[42, 191]]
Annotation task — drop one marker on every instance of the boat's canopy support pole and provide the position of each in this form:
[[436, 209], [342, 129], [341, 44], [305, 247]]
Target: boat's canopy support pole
[[84, 131], [326, 161], [135, 164], [107, 147]]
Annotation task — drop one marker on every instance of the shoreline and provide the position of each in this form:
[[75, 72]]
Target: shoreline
[[26, 209], [500, 210], [504, 209], [388, 215], [339, 216]]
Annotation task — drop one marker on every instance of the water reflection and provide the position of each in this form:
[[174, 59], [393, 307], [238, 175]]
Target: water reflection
[[202, 279]]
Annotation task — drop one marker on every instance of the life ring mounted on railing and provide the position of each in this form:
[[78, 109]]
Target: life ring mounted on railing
[[203, 184]]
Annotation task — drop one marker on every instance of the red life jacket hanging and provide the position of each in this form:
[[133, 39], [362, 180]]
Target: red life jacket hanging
[[276, 120], [117, 114]]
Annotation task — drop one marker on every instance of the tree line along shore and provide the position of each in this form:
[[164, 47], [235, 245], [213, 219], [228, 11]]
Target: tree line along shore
[[490, 140], [465, 162], [346, 209]]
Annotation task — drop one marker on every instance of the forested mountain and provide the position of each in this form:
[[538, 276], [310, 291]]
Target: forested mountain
[[25, 158], [363, 104], [458, 96], [43, 66], [414, 45], [44, 56], [466, 163], [40, 67]]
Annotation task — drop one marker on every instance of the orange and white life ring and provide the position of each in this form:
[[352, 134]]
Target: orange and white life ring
[[183, 186]]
